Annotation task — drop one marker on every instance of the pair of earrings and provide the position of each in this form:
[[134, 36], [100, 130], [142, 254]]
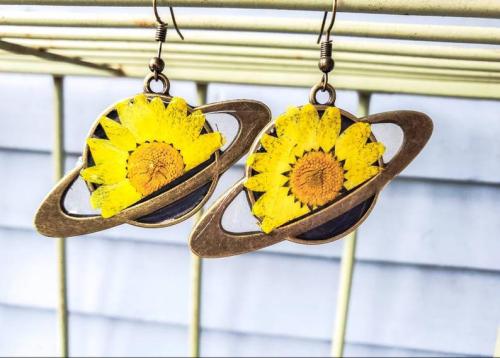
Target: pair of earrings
[[312, 175]]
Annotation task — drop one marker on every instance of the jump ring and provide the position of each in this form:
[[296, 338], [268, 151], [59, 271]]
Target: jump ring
[[157, 77], [319, 87]]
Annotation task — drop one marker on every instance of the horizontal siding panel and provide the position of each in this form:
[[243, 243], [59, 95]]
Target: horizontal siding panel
[[434, 223], [28, 269], [361, 350], [26, 125], [447, 156], [401, 305], [27, 332], [419, 308], [26, 178], [84, 100], [93, 336], [90, 336], [436, 309], [416, 222], [426, 282], [464, 144]]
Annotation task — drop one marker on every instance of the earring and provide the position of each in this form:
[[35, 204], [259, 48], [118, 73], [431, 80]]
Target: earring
[[314, 174], [151, 160]]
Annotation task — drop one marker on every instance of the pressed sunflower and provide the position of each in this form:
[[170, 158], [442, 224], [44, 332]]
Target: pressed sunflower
[[148, 148], [307, 163]]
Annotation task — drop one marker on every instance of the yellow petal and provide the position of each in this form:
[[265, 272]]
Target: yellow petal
[[287, 125], [285, 210], [144, 119], [173, 118], [282, 147], [193, 124], [308, 127], [274, 144], [358, 175], [265, 181], [104, 174], [329, 128], [104, 152], [366, 156], [267, 162], [201, 149], [118, 134], [156, 104], [112, 199], [352, 140], [266, 204], [299, 126], [276, 207]]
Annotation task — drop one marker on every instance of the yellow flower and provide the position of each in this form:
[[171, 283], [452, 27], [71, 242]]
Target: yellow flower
[[148, 148], [307, 163]]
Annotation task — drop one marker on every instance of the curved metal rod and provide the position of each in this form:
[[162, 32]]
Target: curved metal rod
[[157, 15], [160, 21], [330, 27], [175, 23]]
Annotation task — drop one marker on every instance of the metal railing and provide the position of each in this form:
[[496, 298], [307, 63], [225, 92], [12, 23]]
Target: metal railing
[[221, 52]]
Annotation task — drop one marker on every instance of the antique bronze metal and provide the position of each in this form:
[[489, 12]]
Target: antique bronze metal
[[210, 239], [175, 201], [335, 219], [329, 221], [53, 220]]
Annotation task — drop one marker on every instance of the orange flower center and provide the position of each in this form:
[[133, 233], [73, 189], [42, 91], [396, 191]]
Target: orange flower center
[[316, 178], [154, 165]]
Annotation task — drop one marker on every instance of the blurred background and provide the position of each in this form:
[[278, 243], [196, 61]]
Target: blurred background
[[427, 272]]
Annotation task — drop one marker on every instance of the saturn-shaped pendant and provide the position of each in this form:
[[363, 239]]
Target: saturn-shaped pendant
[[312, 177], [152, 161]]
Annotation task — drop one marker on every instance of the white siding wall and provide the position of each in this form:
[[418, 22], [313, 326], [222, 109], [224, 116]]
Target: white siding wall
[[427, 279]]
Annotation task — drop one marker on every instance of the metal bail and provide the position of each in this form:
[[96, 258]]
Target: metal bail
[[157, 77], [323, 87]]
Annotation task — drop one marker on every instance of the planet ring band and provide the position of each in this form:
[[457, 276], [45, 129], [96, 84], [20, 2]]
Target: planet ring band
[[52, 220], [209, 239]]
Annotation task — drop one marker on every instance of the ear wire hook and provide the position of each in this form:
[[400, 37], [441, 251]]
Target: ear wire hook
[[326, 62], [156, 65], [160, 21], [330, 27]]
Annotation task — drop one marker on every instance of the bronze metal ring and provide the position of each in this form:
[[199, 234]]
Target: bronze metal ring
[[210, 239], [332, 95], [157, 76], [52, 218]]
